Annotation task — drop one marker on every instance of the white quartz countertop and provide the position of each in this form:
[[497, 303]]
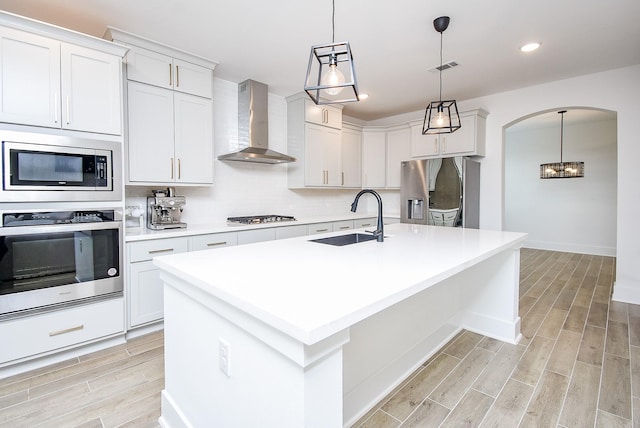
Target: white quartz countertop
[[143, 234], [310, 290]]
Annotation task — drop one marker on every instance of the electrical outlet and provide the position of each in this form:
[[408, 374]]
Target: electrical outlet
[[224, 352]]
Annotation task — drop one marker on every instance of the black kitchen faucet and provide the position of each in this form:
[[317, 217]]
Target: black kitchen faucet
[[379, 232]]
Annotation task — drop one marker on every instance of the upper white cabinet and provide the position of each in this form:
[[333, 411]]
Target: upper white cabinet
[[169, 113], [153, 68], [351, 156], [314, 138], [398, 150], [469, 140], [374, 155], [56, 78]]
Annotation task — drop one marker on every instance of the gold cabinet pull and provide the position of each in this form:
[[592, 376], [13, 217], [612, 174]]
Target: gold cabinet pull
[[179, 169], [177, 76], [344, 227], [172, 168], [322, 230], [164, 250], [66, 330], [170, 75], [214, 244]]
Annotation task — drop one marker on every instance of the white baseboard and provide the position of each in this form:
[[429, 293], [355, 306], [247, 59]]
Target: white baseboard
[[626, 291], [571, 248]]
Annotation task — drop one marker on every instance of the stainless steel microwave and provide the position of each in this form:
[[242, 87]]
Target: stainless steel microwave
[[58, 168]]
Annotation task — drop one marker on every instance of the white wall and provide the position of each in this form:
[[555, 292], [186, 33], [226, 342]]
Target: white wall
[[251, 189], [575, 215], [615, 90]]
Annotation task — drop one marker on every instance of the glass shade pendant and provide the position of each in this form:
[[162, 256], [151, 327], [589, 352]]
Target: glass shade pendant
[[331, 77], [562, 169], [441, 117]]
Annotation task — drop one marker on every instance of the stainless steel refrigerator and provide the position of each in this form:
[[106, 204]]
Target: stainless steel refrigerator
[[441, 192]]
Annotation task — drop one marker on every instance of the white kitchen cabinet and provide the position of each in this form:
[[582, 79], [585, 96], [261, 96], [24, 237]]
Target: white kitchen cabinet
[[50, 83], [256, 235], [312, 229], [153, 68], [170, 113], [339, 226], [398, 150], [284, 232], [374, 154], [144, 289], [323, 114], [351, 156], [42, 334], [317, 147], [362, 223], [469, 140], [213, 240]]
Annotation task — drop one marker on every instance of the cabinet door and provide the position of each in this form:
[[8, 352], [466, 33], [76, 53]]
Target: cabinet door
[[373, 159], [339, 226], [319, 228], [146, 297], [314, 163], [333, 156], [256, 235], [150, 136], [29, 79], [323, 115], [285, 232], [351, 158], [149, 67], [193, 139], [423, 145], [91, 90], [398, 150], [193, 79], [461, 141]]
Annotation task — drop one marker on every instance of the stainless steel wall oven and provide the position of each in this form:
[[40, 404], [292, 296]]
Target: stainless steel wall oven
[[54, 258]]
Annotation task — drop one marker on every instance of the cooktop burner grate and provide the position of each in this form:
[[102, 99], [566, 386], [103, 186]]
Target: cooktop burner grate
[[259, 219]]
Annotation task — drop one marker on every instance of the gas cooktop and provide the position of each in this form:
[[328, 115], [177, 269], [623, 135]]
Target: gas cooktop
[[259, 219]]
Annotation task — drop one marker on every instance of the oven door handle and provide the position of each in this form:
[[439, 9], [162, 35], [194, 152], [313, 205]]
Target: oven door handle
[[59, 228]]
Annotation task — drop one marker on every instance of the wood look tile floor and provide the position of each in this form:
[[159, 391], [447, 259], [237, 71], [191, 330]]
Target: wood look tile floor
[[577, 365]]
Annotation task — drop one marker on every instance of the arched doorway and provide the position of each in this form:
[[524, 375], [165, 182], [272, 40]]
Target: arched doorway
[[574, 214]]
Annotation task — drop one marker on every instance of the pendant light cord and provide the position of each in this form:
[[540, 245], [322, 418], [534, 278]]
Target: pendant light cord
[[561, 133], [441, 66], [333, 23]]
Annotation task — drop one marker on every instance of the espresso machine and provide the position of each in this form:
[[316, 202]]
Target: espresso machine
[[164, 209]]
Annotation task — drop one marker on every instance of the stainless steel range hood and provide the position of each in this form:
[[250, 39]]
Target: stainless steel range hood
[[253, 127]]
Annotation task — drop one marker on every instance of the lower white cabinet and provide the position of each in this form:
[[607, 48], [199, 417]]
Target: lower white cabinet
[[339, 226], [256, 235], [55, 331], [361, 223], [144, 290], [285, 232], [213, 240]]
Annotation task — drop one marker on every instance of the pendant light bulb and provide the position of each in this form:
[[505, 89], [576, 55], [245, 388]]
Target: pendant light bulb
[[333, 77], [441, 119]]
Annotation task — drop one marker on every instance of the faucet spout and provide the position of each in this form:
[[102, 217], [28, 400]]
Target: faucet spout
[[379, 232]]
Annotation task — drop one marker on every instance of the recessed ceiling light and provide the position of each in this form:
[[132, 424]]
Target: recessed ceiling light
[[363, 96], [530, 47]]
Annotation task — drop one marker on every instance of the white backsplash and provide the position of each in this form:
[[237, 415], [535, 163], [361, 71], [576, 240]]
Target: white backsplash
[[250, 189]]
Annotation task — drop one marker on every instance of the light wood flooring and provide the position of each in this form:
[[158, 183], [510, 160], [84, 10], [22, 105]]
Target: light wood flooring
[[578, 365]]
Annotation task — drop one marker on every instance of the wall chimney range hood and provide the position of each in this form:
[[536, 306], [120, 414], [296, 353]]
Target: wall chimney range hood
[[253, 127]]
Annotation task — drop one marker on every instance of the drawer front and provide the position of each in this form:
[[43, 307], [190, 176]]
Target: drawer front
[[43, 333], [257, 235], [213, 240], [147, 250], [362, 223], [291, 231], [342, 225], [320, 228]]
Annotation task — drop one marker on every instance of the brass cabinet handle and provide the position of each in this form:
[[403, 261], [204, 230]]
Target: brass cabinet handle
[[365, 224], [164, 250], [435, 145], [179, 169], [344, 227], [66, 330], [213, 244], [444, 144], [322, 230], [170, 75], [172, 168], [177, 76]]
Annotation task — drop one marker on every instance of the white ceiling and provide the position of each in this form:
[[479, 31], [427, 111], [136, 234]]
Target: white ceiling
[[393, 43]]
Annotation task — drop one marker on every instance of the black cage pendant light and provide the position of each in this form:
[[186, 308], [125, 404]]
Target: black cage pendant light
[[331, 78], [562, 169], [441, 117]]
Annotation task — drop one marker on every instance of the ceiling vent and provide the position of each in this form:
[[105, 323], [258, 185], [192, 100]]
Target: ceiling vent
[[443, 67]]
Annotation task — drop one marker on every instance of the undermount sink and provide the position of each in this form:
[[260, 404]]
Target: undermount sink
[[352, 238]]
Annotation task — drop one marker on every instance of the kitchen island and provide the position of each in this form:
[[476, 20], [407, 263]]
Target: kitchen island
[[295, 333]]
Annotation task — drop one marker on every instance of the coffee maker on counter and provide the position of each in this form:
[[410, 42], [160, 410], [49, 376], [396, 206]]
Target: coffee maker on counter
[[164, 209]]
